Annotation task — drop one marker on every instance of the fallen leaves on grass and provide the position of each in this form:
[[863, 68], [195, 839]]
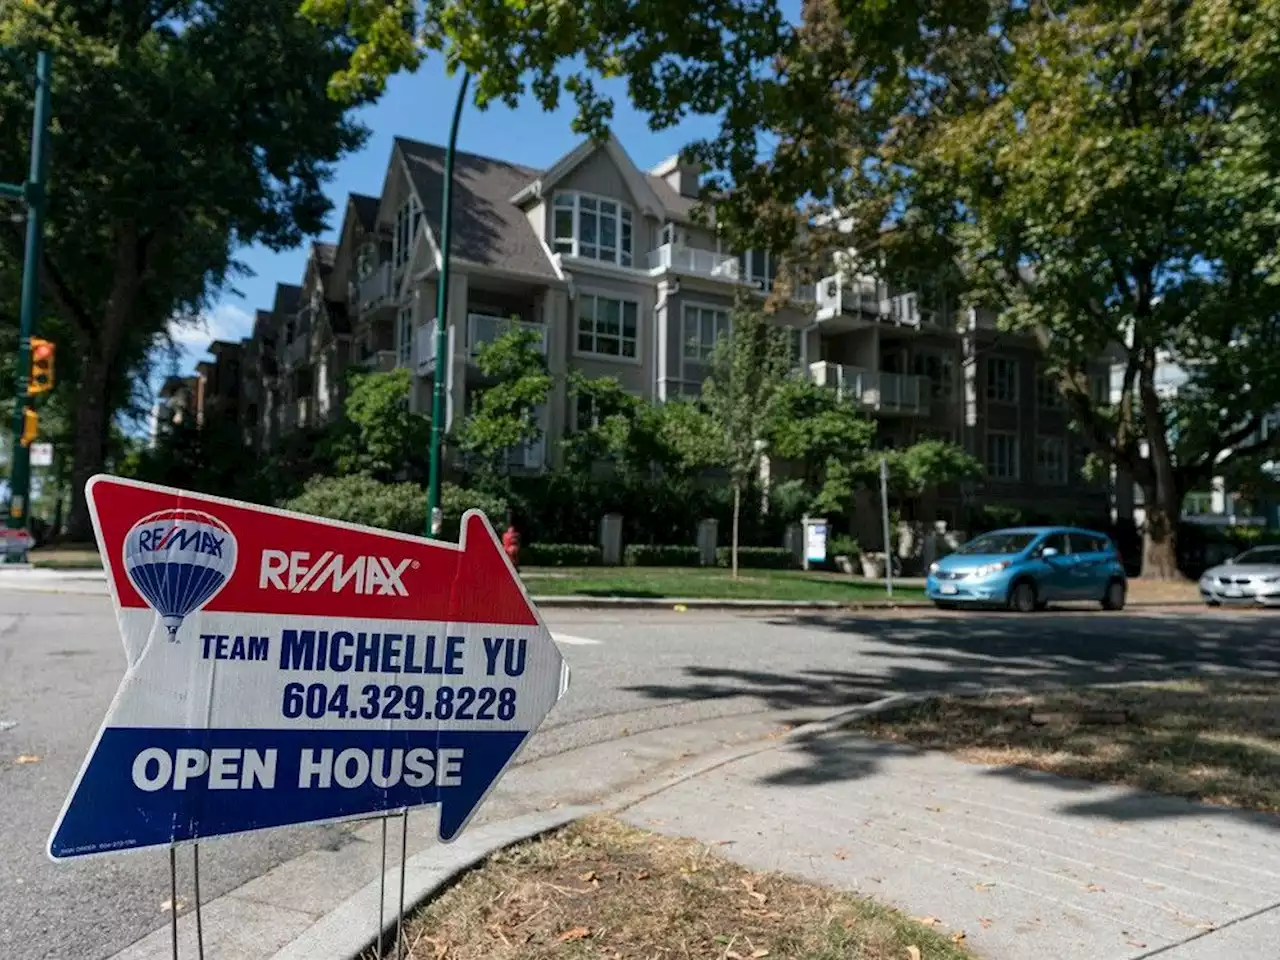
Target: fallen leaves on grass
[[1214, 740], [653, 896]]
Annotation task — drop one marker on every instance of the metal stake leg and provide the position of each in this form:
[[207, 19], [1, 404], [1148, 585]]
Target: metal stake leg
[[195, 866], [173, 900], [382, 888], [402, 948]]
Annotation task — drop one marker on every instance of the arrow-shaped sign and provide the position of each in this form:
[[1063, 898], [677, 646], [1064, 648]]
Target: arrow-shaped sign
[[285, 669]]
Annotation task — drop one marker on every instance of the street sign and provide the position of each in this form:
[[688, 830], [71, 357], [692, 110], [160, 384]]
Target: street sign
[[284, 669], [42, 454]]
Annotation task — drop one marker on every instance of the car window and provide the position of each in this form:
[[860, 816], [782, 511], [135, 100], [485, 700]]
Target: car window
[[1260, 556], [1089, 543], [998, 543], [1058, 541]]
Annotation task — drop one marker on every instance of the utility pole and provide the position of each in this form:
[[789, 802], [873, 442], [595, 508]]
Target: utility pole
[[439, 377], [32, 192]]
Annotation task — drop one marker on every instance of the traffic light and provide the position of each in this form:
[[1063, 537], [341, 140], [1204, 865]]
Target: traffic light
[[41, 380], [30, 426]]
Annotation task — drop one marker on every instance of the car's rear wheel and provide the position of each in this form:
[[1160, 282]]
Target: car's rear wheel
[[1022, 597], [1113, 599]]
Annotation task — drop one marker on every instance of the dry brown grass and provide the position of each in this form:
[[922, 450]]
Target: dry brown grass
[[1212, 740], [604, 890], [1163, 591]]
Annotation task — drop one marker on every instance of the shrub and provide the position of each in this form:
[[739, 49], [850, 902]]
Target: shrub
[[844, 546], [647, 555], [358, 498], [561, 555], [402, 507], [757, 558]]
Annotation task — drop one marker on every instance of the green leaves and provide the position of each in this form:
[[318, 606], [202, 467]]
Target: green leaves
[[505, 413], [383, 438]]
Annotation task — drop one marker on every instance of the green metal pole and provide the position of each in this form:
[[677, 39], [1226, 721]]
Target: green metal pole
[[440, 378], [20, 469]]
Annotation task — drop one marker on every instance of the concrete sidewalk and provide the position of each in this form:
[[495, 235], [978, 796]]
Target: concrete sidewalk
[[1025, 865]]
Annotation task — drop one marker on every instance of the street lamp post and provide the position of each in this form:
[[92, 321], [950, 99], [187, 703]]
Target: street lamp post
[[33, 194], [439, 382]]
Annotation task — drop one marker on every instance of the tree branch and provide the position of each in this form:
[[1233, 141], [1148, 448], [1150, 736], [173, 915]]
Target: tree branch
[[52, 279]]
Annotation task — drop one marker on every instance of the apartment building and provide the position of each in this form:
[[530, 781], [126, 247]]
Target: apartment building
[[605, 262]]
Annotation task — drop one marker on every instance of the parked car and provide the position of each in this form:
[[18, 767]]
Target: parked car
[[1026, 568], [1252, 578]]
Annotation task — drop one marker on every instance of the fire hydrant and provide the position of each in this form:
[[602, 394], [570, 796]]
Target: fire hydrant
[[511, 544]]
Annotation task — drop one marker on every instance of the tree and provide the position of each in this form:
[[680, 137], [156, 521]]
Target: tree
[[181, 132], [382, 437], [740, 399], [506, 413], [927, 465], [1099, 174]]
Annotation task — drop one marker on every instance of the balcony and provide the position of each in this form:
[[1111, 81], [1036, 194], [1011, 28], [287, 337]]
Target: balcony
[[378, 361], [374, 291], [873, 390], [483, 329], [850, 297], [701, 263]]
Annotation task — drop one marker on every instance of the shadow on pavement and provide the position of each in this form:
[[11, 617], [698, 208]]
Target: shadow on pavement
[[959, 654]]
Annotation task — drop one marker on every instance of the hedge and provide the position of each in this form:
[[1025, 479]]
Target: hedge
[[757, 558], [561, 555], [646, 555]]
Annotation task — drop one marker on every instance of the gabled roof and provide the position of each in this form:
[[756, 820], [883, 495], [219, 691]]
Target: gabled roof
[[366, 209], [287, 297], [676, 206], [640, 185], [488, 228]]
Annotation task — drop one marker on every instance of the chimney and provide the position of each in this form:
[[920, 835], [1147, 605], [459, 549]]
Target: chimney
[[681, 177]]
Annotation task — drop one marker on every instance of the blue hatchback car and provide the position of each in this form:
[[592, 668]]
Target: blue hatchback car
[[1026, 568]]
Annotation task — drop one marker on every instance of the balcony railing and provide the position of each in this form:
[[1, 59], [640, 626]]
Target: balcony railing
[[483, 329], [703, 263], [375, 290], [875, 390]]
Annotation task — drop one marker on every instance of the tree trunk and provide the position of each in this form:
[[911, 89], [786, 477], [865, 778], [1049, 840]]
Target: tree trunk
[[733, 548], [1160, 538], [92, 406]]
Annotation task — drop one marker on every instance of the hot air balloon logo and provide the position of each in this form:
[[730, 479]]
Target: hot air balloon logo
[[178, 560]]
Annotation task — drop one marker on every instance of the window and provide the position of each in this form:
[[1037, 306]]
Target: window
[[1002, 456], [703, 327], [1051, 460], [940, 368], [1002, 380], [407, 218], [592, 228], [607, 327], [796, 342], [1048, 396], [668, 234], [758, 267], [1100, 387], [1054, 541], [587, 414], [1089, 543], [404, 336]]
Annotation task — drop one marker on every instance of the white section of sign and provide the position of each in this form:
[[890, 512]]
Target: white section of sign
[[235, 671], [569, 641], [42, 455]]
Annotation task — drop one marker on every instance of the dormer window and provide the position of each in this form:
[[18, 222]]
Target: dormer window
[[668, 234], [592, 228], [407, 218]]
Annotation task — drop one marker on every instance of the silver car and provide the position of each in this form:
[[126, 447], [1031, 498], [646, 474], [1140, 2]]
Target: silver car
[[1253, 578]]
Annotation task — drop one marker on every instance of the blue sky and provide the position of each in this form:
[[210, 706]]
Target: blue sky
[[420, 106]]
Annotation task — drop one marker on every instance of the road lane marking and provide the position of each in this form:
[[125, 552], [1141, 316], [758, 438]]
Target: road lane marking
[[570, 641]]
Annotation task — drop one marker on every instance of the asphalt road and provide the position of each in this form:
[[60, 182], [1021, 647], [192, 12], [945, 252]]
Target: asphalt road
[[61, 659]]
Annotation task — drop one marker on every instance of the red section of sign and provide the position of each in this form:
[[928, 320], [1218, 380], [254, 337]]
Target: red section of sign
[[294, 564]]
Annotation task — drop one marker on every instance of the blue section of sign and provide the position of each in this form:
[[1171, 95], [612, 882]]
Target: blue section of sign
[[153, 787]]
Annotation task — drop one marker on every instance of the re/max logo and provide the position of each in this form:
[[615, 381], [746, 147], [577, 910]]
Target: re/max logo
[[365, 575], [178, 537]]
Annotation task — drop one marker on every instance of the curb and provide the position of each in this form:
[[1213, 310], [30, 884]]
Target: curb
[[704, 603], [345, 931]]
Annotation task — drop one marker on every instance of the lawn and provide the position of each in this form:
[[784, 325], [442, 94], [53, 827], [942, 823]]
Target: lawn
[[1216, 740], [601, 889], [705, 583], [68, 557]]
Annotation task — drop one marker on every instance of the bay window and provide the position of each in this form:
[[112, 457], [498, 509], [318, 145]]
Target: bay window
[[607, 326], [407, 218], [592, 228]]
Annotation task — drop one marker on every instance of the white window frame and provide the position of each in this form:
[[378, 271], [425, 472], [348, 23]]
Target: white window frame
[[404, 335], [1047, 390], [1044, 474], [573, 245], [595, 298], [585, 404], [747, 273], [407, 219], [947, 363], [1014, 457], [1100, 387], [991, 383], [700, 355]]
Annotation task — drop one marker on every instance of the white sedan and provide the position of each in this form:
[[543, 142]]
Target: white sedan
[[1251, 578]]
